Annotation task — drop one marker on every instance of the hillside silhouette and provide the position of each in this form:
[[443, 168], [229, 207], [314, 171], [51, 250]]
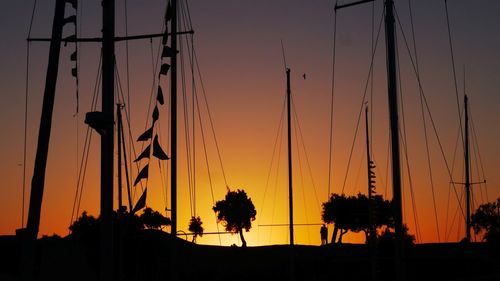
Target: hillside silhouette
[[147, 256]]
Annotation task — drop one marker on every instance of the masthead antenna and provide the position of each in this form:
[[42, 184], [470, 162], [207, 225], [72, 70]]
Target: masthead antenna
[[283, 53]]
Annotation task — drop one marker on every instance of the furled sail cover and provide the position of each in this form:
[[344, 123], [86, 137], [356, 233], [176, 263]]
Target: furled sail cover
[[146, 135], [144, 154], [164, 69], [159, 96], [158, 151], [141, 203], [142, 174]]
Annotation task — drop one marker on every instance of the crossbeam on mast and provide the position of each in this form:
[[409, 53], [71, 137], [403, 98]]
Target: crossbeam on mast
[[116, 39]]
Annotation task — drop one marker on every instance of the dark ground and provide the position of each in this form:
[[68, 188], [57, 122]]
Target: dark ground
[[147, 257]]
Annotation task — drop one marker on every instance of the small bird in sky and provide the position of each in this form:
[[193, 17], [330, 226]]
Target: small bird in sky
[[304, 75]]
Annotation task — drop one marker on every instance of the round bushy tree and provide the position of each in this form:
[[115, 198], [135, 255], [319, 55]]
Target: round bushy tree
[[236, 212]]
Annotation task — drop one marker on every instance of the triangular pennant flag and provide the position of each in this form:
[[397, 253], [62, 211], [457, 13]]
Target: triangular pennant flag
[[146, 135], [144, 154], [164, 69], [141, 203], [158, 151], [74, 72], [156, 114], [168, 14], [164, 38], [167, 52], [142, 174], [73, 56], [159, 95]]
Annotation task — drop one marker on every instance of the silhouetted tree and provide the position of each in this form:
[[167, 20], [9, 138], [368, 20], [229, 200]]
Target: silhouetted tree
[[86, 226], [486, 220], [153, 219], [195, 227], [236, 212], [386, 240], [352, 214]]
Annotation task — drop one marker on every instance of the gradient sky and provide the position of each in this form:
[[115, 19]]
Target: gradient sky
[[239, 51]]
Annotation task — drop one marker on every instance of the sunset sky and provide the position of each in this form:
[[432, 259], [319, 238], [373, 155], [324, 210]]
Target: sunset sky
[[238, 45]]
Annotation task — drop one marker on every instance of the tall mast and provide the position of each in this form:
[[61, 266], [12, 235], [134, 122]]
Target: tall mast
[[103, 122], [107, 138], [467, 171], [394, 125], [173, 120], [290, 182], [38, 180], [29, 234]]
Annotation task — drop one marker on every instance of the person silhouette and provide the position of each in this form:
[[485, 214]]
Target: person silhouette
[[324, 235]]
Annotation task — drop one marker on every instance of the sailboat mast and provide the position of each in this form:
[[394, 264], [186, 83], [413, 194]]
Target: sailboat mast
[[290, 182], [38, 180], [394, 125], [173, 120], [467, 171], [107, 138], [393, 114]]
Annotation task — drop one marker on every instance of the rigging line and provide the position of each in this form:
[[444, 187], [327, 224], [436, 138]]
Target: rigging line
[[454, 71], [278, 134], [301, 172], [424, 123], [186, 126], [302, 141], [283, 53], [206, 157], [388, 162], [451, 181], [120, 93], [128, 81], [86, 149], [362, 104], [306, 154], [427, 105], [330, 144], [210, 116], [405, 146], [26, 96], [119, 87], [372, 80], [193, 62], [190, 50], [189, 47], [278, 169], [475, 138], [477, 157], [457, 210]]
